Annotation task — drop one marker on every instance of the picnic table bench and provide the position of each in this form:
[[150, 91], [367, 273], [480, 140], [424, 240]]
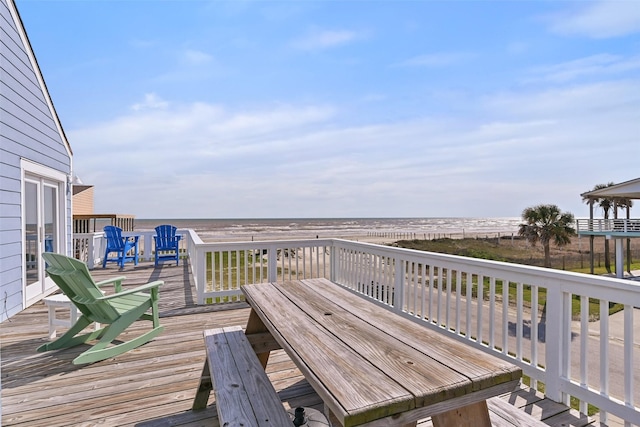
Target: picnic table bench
[[244, 394]]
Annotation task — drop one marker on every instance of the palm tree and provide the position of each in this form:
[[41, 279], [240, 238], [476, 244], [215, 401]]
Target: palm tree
[[606, 204], [546, 223]]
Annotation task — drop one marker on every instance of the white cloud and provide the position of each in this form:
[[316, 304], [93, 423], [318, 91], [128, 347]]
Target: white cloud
[[181, 137], [325, 39], [544, 145], [587, 102], [151, 102], [595, 65], [599, 19], [196, 57]]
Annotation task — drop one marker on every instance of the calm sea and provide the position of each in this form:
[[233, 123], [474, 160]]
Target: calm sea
[[211, 230]]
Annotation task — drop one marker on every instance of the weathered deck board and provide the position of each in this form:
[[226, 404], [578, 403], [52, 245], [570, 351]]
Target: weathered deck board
[[153, 385]]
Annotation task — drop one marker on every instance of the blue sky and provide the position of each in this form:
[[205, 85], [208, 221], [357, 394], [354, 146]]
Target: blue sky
[[235, 109]]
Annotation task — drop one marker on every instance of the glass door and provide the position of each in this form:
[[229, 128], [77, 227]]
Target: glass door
[[41, 232]]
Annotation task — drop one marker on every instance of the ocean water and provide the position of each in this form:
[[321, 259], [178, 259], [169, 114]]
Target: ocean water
[[211, 230]]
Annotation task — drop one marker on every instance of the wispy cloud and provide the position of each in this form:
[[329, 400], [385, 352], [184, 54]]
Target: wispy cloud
[[435, 60], [599, 19], [301, 155], [171, 133], [151, 102], [196, 57], [591, 66], [324, 39]]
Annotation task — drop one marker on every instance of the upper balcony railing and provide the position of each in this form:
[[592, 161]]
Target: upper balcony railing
[[555, 325], [617, 226]]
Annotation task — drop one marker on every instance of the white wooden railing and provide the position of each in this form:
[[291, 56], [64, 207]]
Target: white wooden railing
[[564, 344], [571, 355], [603, 226]]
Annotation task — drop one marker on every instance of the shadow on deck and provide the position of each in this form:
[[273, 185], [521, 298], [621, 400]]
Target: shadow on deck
[[154, 385]]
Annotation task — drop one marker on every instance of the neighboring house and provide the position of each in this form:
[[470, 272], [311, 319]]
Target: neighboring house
[[82, 199], [616, 229], [35, 172]]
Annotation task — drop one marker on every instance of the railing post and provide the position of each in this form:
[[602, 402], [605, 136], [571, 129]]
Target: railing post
[[147, 237], [272, 263], [200, 274], [91, 252], [554, 336], [95, 249], [333, 265]]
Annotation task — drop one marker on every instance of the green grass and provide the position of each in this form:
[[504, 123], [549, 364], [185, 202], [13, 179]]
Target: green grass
[[230, 270], [491, 249], [226, 269], [602, 270]]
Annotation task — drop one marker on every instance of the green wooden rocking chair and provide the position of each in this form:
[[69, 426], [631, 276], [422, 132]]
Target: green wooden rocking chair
[[117, 311]]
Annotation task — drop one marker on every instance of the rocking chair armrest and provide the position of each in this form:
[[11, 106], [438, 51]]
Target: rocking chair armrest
[[117, 281], [151, 285]]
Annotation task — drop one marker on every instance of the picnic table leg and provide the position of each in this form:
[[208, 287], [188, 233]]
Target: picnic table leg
[[255, 325], [474, 415], [204, 388]]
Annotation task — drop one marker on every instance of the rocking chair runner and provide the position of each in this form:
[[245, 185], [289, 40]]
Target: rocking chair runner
[[118, 311], [122, 246], [167, 244]]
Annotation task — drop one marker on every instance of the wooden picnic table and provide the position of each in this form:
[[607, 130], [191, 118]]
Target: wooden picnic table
[[371, 366]]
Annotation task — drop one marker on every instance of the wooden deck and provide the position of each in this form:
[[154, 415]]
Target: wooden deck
[[154, 385]]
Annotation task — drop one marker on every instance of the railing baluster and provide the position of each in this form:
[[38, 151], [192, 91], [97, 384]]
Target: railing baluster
[[458, 296], [467, 328], [229, 270], [534, 333], [628, 358], [604, 354], [423, 290], [492, 312], [479, 307], [519, 320], [448, 299], [416, 288], [584, 347], [432, 273], [505, 316]]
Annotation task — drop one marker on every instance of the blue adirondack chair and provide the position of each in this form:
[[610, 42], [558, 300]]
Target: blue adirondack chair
[[126, 248], [117, 310], [167, 244]]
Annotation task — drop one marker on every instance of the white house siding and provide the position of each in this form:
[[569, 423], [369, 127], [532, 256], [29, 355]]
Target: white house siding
[[30, 130]]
